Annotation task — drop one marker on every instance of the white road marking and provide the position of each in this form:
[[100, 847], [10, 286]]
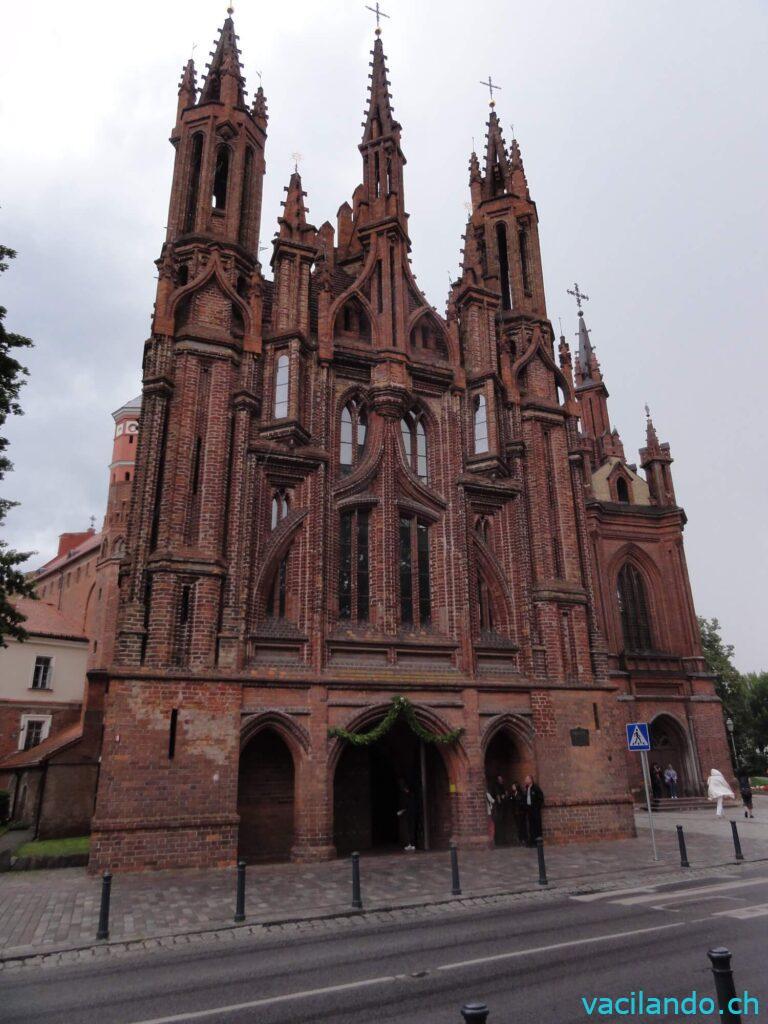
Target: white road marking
[[176, 1018], [558, 945], [684, 894], [744, 913]]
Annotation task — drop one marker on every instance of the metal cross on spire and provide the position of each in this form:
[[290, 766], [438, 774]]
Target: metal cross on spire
[[490, 86], [379, 15], [578, 295], [296, 157]]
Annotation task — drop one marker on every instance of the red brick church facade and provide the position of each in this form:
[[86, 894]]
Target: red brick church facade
[[342, 497]]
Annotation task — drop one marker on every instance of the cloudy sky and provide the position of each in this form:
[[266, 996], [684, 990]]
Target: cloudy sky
[[644, 135]]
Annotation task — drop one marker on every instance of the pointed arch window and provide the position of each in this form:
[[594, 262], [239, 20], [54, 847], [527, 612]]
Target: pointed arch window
[[221, 178], [481, 424], [280, 507], [414, 436], [354, 574], [503, 254], [281, 387], [276, 599], [525, 259], [246, 200], [622, 490], [415, 591], [194, 182], [483, 527], [485, 605], [352, 432], [633, 606]]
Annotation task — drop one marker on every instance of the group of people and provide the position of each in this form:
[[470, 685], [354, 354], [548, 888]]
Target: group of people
[[663, 779], [514, 812]]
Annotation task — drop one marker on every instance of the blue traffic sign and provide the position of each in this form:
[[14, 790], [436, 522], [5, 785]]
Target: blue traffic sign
[[638, 736]]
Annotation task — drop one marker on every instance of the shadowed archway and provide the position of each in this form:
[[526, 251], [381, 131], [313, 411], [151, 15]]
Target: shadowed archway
[[670, 745], [265, 798]]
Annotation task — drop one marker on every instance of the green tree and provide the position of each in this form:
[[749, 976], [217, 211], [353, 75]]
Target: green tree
[[12, 580], [756, 700]]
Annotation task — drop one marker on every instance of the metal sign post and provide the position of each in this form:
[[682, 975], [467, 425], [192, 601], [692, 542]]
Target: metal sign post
[[639, 740]]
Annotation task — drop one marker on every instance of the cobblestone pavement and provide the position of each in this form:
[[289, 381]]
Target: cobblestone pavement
[[43, 911]]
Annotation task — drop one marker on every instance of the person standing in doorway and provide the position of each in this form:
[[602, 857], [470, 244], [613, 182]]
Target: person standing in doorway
[[500, 809], [718, 789], [517, 803], [533, 801], [657, 778], [670, 781], [408, 810]]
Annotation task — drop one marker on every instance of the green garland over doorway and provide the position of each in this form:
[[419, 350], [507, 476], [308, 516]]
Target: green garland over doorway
[[400, 706]]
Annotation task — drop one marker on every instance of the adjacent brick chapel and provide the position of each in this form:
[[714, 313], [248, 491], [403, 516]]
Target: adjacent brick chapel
[[342, 497]]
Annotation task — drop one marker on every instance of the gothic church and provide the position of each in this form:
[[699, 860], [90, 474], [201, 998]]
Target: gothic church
[[343, 499]]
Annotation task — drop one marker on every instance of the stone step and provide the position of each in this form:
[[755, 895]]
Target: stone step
[[687, 803]]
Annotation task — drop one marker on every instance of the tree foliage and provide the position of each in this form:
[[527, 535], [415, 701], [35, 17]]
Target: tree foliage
[[744, 696], [12, 378]]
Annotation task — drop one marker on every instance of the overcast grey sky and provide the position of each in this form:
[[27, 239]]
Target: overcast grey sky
[[644, 136]]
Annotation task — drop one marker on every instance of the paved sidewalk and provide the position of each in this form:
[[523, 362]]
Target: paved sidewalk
[[42, 911]]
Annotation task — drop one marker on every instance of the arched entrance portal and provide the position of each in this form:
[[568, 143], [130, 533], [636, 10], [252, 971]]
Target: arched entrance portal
[[265, 799], [507, 760], [367, 793], [669, 745]]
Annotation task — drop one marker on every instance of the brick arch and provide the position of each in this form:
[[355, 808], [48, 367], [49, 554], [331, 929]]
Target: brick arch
[[442, 333], [683, 756], [519, 727], [280, 540], [428, 718], [212, 270], [500, 591], [295, 736], [654, 590]]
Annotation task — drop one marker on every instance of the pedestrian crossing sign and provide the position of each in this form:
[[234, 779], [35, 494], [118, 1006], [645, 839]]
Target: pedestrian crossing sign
[[638, 737]]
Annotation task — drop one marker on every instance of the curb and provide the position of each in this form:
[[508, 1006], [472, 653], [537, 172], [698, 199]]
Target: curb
[[140, 943]]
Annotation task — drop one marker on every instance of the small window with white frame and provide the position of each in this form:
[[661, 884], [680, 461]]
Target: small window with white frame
[[42, 674], [34, 729]]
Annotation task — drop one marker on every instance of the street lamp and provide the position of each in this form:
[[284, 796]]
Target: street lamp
[[730, 727]]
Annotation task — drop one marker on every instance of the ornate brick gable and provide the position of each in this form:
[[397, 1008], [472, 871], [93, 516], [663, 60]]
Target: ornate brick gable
[[342, 496]]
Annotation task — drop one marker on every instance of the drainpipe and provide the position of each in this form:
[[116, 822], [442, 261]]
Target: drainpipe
[[40, 798]]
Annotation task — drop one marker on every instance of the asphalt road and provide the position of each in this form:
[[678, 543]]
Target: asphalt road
[[531, 961]]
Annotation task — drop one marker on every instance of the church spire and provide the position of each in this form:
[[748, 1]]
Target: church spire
[[224, 82], [383, 158], [496, 161], [587, 366], [380, 114], [187, 88], [293, 222]]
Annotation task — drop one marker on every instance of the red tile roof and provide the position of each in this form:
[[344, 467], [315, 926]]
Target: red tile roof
[[44, 750], [44, 619], [85, 548]]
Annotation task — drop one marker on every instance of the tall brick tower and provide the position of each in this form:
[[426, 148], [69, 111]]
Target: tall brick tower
[[343, 499]]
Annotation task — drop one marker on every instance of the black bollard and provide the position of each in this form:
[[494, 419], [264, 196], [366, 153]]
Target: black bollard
[[474, 1013], [357, 901], [683, 852], [736, 841], [542, 865], [240, 896], [106, 889], [455, 880], [720, 959]]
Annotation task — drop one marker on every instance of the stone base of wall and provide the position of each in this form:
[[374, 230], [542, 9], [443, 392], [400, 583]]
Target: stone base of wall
[[588, 821], [152, 848]]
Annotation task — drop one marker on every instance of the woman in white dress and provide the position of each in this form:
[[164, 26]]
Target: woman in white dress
[[718, 789]]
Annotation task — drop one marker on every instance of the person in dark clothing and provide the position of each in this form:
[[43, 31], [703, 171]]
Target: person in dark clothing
[[500, 815], [533, 800], [408, 810], [745, 789], [517, 807], [657, 781]]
